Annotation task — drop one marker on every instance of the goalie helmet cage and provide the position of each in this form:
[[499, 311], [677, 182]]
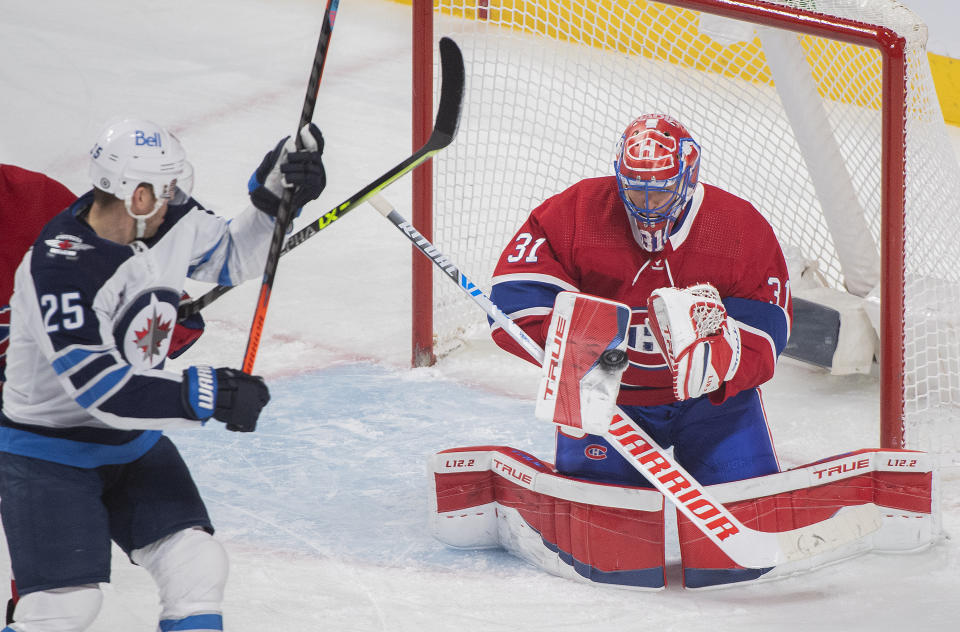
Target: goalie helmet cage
[[822, 113]]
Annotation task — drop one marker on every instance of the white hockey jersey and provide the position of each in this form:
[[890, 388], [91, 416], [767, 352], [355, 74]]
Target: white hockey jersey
[[90, 330]]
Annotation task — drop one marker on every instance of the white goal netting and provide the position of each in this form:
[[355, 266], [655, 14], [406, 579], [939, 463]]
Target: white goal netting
[[793, 123]]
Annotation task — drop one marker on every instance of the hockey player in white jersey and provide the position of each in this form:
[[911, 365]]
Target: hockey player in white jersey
[[83, 460]]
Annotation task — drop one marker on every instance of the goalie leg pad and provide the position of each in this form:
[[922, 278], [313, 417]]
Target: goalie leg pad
[[190, 568], [499, 496], [900, 482]]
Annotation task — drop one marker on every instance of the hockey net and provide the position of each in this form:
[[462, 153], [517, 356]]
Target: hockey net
[[822, 113]]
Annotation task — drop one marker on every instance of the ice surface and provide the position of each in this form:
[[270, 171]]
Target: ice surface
[[323, 509]]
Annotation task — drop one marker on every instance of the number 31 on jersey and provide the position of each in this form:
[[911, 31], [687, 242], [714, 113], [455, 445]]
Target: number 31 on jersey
[[524, 252]]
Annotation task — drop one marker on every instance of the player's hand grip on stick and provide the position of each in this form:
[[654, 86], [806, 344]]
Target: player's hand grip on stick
[[186, 332], [285, 166], [444, 131], [227, 395], [285, 209]]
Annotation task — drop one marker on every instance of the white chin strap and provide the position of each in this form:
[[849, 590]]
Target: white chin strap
[[141, 219]]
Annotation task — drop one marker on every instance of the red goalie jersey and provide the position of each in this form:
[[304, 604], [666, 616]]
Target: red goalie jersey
[[27, 201], [583, 240]]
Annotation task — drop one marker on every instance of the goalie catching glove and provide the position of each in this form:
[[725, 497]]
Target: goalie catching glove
[[700, 343]]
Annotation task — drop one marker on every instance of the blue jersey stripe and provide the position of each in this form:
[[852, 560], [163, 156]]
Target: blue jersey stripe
[[205, 258], [70, 359], [102, 386], [75, 453], [224, 277], [765, 316], [81, 377], [511, 296]]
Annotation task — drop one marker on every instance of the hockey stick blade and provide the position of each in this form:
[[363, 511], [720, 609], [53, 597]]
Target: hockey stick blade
[[747, 547], [444, 132]]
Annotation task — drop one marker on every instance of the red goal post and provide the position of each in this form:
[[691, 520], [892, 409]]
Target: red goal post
[[820, 112]]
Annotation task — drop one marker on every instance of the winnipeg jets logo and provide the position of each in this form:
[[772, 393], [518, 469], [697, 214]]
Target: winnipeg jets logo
[[150, 338], [66, 245], [144, 329]]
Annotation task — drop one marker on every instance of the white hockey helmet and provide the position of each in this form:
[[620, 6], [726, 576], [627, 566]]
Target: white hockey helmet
[[129, 152]]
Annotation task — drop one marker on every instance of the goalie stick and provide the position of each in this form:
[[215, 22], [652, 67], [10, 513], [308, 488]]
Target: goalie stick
[[284, 211], [747, 547], [444, 131]]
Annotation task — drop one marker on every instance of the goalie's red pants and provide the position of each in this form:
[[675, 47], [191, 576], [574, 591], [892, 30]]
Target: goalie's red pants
[[716, 443]]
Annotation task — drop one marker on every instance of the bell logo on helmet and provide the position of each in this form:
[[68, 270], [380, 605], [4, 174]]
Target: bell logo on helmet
[[141, 139], [134, 152]]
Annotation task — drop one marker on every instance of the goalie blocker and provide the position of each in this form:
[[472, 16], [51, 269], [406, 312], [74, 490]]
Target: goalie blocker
[[584, 358], [496, 496]]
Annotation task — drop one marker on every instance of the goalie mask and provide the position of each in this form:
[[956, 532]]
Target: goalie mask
[[131, 152], [657, 166]]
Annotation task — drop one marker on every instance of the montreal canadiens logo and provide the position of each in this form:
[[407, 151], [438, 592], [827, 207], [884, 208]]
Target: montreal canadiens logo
[[651, 151], [595, 452], [143, 333], [643, 346]]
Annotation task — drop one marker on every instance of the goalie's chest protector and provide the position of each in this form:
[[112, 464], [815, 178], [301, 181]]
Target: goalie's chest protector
[[710, 245]]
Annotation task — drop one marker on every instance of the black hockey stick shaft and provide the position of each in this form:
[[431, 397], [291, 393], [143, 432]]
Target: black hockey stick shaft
[[285, 212], [444, 131]]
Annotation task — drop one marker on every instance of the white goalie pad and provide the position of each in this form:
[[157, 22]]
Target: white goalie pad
[[903, 485], [496, 496], [585, 356]]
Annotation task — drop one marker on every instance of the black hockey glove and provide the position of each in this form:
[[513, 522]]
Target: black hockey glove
[[227, 395], [284, 166], [240, 398]]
